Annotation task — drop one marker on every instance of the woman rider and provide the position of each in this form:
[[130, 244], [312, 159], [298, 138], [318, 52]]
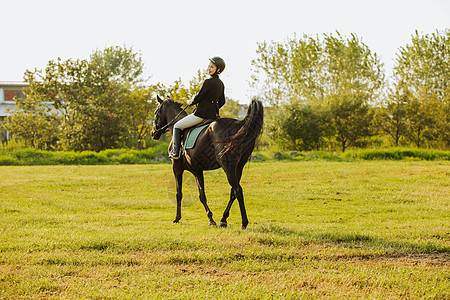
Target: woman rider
[[209, 99]]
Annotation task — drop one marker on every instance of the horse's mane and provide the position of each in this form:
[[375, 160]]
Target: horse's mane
[[174, 102]]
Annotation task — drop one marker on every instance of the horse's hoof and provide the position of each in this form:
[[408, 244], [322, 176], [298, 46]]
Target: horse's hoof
[[212, 223], [244, 227], [175, 221], [223, 224]]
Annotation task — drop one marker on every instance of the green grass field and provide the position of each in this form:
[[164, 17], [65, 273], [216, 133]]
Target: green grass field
[[318, 230]]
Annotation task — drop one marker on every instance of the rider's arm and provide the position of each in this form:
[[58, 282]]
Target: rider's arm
[[202, 94]]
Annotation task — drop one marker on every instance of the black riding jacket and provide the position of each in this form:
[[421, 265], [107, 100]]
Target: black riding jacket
[[210, 98]]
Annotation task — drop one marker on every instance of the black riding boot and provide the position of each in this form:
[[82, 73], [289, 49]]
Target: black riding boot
[[175, 153]]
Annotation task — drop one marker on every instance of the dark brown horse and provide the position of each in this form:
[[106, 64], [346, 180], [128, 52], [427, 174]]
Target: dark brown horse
[[226, 143]]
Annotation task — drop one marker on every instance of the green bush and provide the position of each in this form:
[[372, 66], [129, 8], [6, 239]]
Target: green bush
[[281, 156], [397, 154], [322, 155], [158, 154], [90, 158], [32, 156], [126, 158], [8, 161]]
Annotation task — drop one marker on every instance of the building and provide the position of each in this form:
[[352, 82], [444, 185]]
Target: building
[[8, 91]]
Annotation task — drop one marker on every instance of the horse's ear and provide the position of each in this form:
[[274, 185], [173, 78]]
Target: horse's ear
[[159, 99]]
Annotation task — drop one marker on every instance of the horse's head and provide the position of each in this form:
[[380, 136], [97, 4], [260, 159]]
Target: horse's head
[[160, 121], [165, 115]]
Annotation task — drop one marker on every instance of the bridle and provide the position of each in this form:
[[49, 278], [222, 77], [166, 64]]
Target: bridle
[[165, 128]]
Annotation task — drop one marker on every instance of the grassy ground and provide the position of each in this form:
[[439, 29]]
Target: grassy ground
[[329, 230]]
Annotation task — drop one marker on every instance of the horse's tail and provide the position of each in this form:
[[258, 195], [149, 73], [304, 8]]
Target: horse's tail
[[251, 128]]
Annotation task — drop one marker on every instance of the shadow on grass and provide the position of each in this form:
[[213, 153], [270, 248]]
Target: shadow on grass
[[358, 240]]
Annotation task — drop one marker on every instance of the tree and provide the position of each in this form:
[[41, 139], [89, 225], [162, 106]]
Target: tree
[[425, 63], [141, 104], [391, 115], [337, 74], [179, 92], [423, 113], [354, 76], [121, 64], [289, 71], [423, 67], [88, 102], [298, 128], [350, 119], [34, 122], [231, 109], [91, 102]]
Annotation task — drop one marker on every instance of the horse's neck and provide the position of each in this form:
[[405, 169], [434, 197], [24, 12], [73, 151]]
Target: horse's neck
[[172, 115]]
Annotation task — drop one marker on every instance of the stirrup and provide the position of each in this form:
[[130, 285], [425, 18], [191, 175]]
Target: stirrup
[[174, 155]]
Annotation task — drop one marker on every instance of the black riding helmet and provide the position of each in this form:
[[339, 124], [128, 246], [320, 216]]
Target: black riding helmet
[[219, 62]]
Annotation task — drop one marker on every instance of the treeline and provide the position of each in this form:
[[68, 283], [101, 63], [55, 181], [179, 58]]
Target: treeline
[[331, 92], [322, 93], [94, 104]]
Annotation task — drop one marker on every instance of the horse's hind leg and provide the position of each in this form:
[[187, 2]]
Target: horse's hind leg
[[234, 176], [226, 213], [240, 197], [201, 189]]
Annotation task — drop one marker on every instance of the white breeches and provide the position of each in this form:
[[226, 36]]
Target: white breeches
[[188, 121]]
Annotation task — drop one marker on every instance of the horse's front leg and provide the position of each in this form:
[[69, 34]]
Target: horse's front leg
[[201, 190], [178, 173]]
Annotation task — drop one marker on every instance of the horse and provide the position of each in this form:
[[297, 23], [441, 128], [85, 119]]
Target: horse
[[226, 143]]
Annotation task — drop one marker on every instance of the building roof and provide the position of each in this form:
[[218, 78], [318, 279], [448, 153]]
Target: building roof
[[13, 83]]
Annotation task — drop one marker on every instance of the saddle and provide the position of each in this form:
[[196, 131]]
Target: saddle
[[191, 134]]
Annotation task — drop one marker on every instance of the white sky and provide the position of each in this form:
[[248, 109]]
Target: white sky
[[176, 37]]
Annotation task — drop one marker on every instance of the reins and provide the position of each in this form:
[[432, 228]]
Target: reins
[[164, 129]]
